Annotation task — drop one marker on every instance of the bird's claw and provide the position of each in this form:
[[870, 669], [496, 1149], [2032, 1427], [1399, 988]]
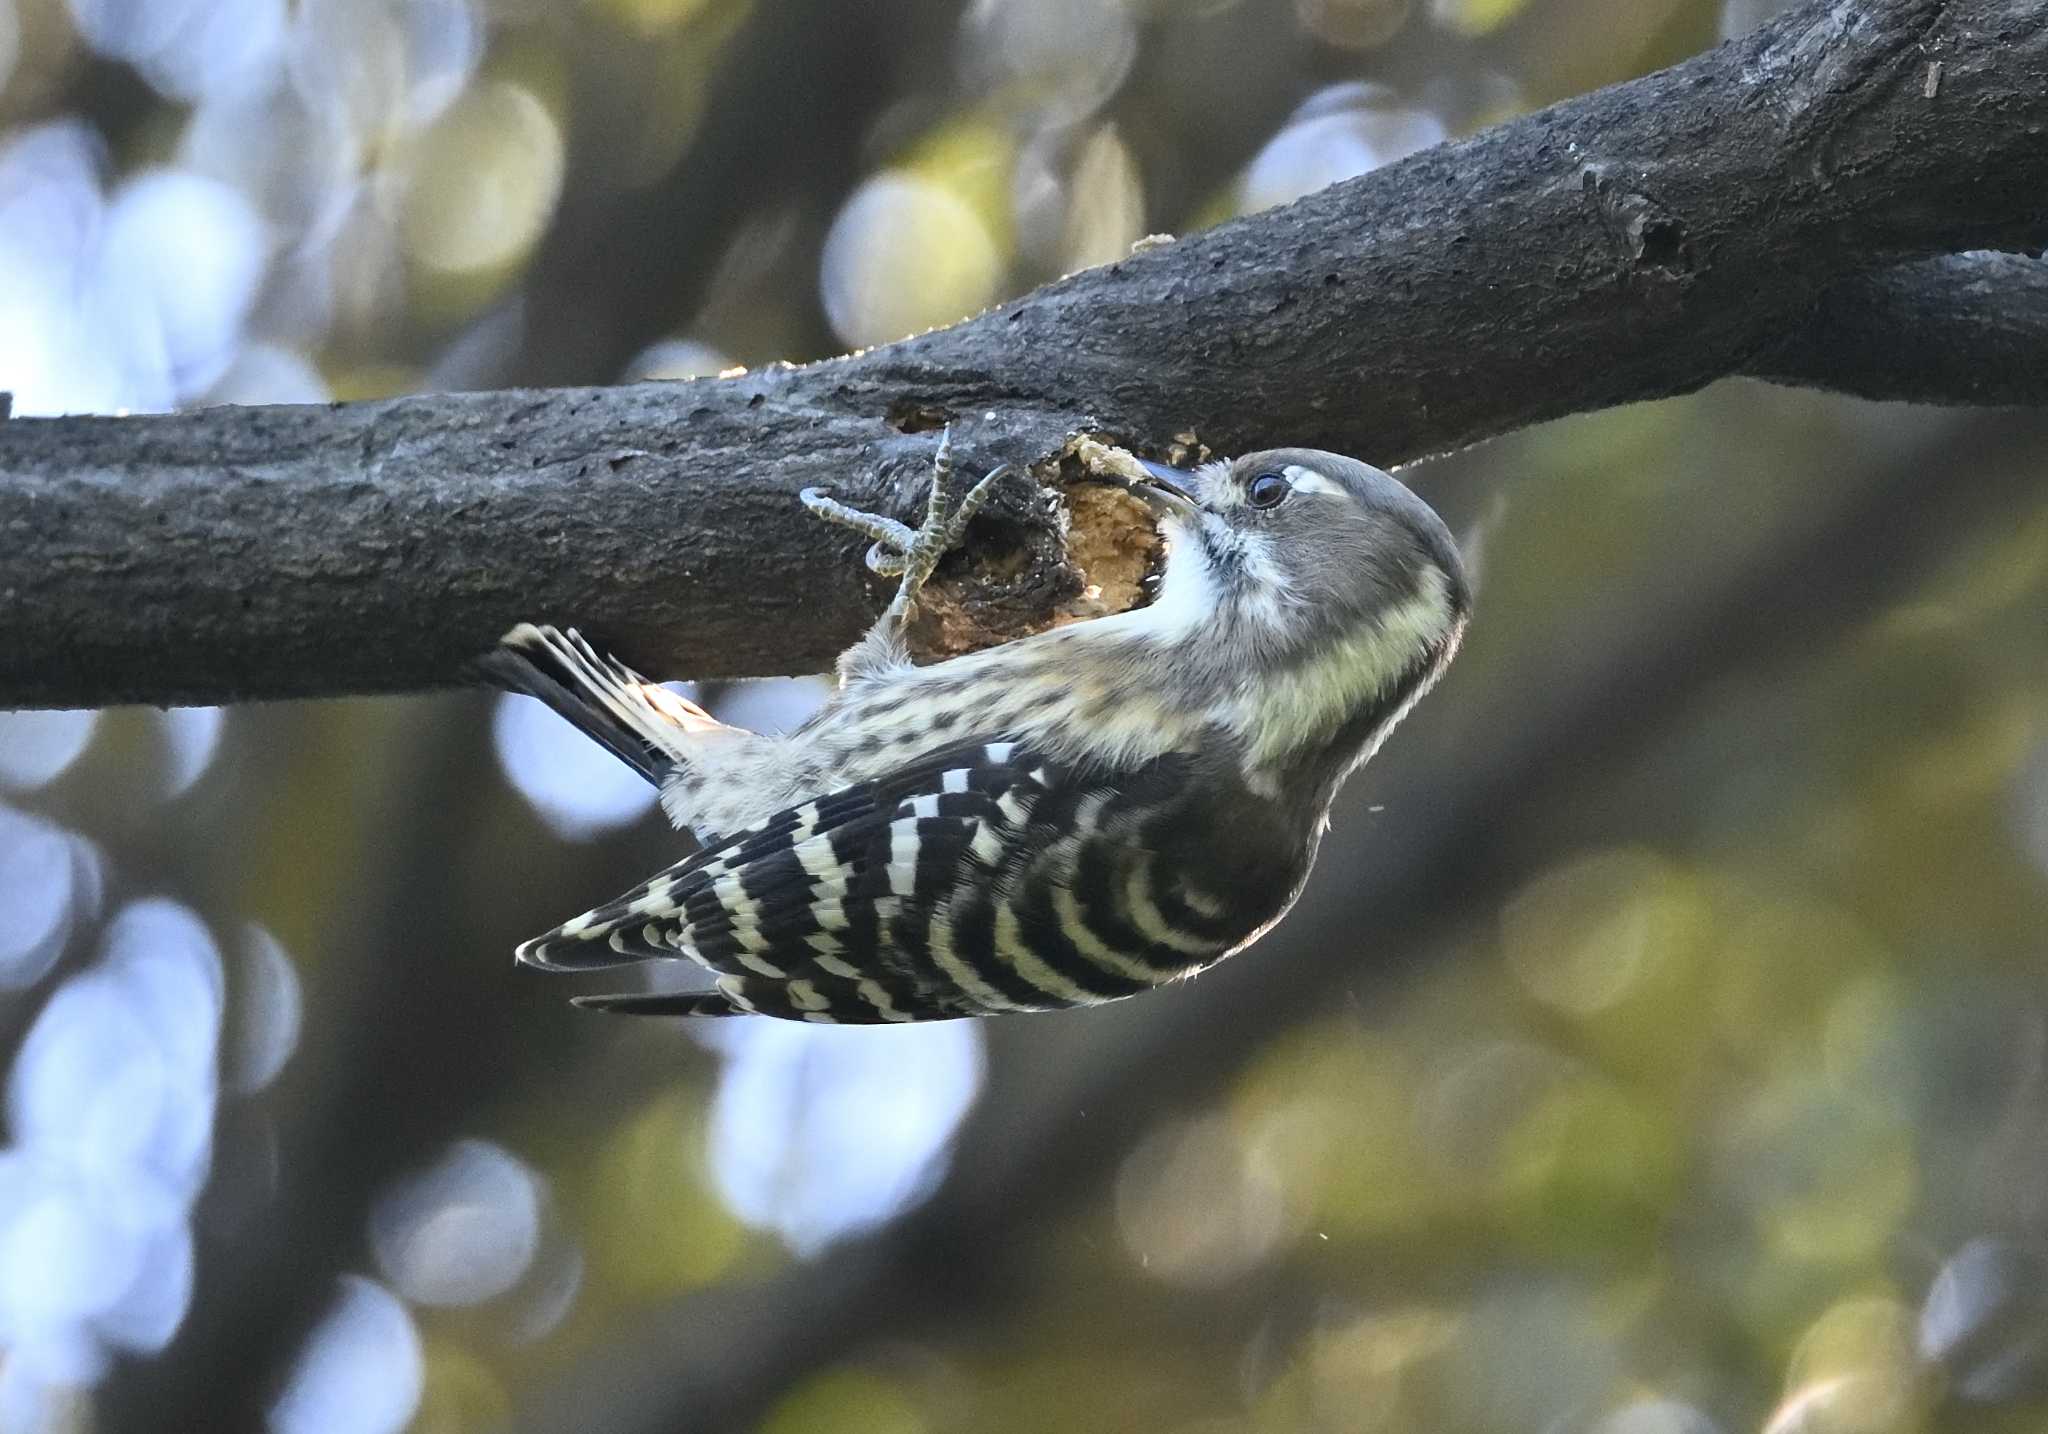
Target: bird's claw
[[887, 532], [912, 554]]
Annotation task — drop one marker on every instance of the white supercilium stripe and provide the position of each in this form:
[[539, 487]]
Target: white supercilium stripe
[[1307, 480]]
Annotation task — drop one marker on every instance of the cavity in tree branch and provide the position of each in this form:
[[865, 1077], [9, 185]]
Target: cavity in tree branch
[[1633, 243]]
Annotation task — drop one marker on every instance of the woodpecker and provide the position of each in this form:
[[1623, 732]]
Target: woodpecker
[[1065, 819]]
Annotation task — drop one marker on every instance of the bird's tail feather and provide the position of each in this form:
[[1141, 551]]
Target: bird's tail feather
[[643, 724]]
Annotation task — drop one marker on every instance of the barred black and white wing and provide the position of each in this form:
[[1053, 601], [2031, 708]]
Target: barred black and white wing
[[980, 879]]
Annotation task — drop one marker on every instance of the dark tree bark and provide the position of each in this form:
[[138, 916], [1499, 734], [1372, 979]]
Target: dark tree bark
[[1633, 243], [1967, 328]]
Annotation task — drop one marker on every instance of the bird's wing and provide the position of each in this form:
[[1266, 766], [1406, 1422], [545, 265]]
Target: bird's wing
[[980, 878], [643, 724]]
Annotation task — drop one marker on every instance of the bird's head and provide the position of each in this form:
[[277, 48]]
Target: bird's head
[[1313, 594], [1293, 549]]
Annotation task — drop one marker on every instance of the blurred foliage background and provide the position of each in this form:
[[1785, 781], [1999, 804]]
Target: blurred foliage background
[[1662, 1047]]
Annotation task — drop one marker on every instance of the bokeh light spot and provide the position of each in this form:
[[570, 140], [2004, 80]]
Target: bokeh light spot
[[1195, 1207], [1581, 937], [191, 738], [189, 49], [179, 262], [1827, 1177], [40, 892], [485, 180], [264, 1020], [1337, 134], [1474, 17], [656, 17], [462, 1231], [1657, 1416], [1985, 1321], [1105, 204], [577, 787], [1061, 59], [379, 69], [845, 1399], [770, 704], [1332, 1113], [1854, 1372], [904, 255], [110, 1107], [362, 1370], [36, 747], [821, 1131], [460, 1393], [1354, 24], [266, 373], [677, 358]]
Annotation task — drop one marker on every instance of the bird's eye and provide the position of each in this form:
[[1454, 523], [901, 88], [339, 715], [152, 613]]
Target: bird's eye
[[1266, 490]]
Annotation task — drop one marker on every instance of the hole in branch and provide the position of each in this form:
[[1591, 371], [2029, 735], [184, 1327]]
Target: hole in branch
[[909, 416]]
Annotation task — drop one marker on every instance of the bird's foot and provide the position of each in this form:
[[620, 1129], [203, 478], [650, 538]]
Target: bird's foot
[[912, 554]]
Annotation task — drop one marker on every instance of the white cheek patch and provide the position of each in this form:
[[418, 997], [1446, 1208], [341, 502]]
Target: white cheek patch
[[1188, 596]]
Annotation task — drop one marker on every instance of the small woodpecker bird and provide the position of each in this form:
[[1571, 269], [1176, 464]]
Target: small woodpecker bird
[[1068, 818]]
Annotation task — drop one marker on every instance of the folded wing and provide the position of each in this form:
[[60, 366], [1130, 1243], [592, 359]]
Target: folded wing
[[980, 878]]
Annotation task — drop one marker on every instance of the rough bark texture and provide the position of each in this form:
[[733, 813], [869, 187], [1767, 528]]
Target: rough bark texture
[[1966, 328], [1633, 243]]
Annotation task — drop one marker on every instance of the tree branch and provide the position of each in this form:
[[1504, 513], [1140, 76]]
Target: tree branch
[[1969, 328], [1636, 242]]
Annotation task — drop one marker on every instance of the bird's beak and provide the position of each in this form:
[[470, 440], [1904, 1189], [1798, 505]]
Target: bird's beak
[[1167, 491]]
